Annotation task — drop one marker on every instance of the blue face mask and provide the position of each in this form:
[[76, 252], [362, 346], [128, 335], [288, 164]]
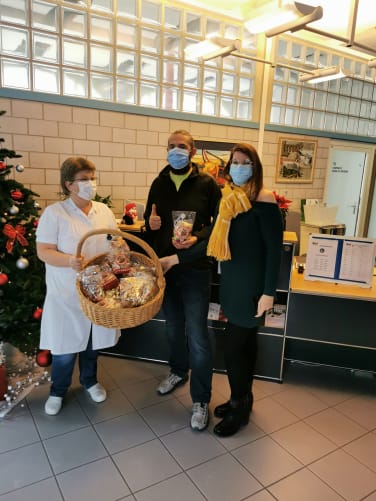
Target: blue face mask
[[178, 158], [240, 174]]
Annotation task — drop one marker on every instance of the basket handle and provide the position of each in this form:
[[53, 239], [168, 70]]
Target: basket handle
[[128, 236]]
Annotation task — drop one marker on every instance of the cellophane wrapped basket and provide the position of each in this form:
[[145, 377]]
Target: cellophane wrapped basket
[[121, 317]]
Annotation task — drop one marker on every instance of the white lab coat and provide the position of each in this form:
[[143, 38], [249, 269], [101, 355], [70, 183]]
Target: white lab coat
[[64, 328]]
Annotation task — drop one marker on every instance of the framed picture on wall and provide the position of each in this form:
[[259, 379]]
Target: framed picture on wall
[[212, 157], [296, 160]]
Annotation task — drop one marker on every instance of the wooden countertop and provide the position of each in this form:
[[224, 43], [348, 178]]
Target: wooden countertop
[[301, 286], [135, 227], [290, 236]]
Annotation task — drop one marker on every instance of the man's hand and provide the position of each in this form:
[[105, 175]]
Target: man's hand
[[186, 244], [154, 219], [168, 262], [265, 303]]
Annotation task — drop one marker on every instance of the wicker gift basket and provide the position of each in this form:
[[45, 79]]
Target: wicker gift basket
[[120, 317]]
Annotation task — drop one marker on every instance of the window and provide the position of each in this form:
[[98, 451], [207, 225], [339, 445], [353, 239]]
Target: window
[[132, 52]]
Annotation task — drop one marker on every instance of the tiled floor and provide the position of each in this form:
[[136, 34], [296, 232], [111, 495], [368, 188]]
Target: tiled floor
[[312, 438]]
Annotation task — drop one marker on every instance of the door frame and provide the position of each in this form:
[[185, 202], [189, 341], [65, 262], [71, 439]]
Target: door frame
[[365, 190]]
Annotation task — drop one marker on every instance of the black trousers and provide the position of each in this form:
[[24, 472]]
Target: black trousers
[[240, 354]]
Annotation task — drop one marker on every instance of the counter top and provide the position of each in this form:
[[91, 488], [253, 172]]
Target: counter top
[[301, 286], [135, 227], [290, 236]]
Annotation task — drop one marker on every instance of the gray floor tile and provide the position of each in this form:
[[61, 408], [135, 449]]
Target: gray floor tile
[[266, 460], [166, 417], [181, 485], [124, 432], [224, 479], [74, 449], [371, 497], [303, 485], [300, 402], [191, 448], [303, 442], [70, 418], [18, 430], [144, 393], [263, 495], [360, 409], [115, 405], [345, 475], [97, 481], [322, 417], [244, 436], [364, 450], [43, 490], [23, 466], [336, 426], [146, 464], [270, 416]]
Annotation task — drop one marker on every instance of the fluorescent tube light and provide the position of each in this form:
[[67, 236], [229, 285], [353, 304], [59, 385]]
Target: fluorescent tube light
[[324, 74], [291, 17], [212, 48]]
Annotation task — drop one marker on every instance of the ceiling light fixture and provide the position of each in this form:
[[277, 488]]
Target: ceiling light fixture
[[291, 17], [372, 63], [323, 75], [212, 47]]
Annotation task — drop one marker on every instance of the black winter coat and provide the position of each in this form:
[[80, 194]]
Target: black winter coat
[[199, 193]]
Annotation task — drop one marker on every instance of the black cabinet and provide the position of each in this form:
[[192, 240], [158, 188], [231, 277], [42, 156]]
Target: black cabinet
[[331, 330], [148, 341]]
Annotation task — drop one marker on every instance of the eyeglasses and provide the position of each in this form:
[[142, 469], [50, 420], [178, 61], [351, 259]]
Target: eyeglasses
[[86, 179]]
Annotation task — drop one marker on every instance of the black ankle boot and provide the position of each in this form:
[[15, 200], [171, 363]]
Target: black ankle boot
[[221, 410], [236, 417]]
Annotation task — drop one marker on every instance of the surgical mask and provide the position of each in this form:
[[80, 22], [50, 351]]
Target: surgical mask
[[87, 189], [178, 158], [240, 174]]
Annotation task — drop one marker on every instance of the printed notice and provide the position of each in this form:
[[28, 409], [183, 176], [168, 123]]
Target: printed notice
[[341, 259], [321, 257], [357, 260]]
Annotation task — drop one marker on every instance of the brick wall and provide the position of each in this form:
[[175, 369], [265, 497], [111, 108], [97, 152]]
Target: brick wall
[[128, 150]]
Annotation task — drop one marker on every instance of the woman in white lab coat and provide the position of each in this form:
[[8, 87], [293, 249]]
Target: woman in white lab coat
[[65, 330]]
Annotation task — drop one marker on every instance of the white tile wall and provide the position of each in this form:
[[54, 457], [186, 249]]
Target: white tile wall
[[128, 150]]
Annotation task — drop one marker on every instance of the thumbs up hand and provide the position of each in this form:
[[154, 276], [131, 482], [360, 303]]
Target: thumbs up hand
[[154, 219]]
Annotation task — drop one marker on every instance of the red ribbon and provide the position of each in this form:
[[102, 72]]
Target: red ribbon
[[14, 233]]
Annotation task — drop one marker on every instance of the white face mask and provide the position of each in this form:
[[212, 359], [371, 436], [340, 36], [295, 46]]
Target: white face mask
[[87, 189]]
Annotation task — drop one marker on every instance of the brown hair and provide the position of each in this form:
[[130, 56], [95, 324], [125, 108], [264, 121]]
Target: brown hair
[[255, 184], [70, 167], [185, 133]]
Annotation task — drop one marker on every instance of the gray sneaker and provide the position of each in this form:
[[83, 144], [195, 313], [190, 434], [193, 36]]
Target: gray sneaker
[[171, 382], [200, 416]]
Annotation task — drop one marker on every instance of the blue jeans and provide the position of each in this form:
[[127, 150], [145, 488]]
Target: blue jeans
[[185, 305], [62, 370]]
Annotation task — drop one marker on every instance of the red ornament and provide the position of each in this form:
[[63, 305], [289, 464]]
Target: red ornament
[[3, 381], [37, 313], [16, 195], [3, 278], [43, 358], [3, 165], [35, 223]]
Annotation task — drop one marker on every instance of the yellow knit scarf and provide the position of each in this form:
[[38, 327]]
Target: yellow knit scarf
[[234, 201]]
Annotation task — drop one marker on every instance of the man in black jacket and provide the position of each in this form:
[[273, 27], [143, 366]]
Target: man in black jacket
[[181, 187]]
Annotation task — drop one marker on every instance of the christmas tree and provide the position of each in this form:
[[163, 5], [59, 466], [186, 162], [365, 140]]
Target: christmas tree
[[22, 285]]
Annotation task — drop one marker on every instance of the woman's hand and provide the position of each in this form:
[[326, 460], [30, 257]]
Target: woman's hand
[[168, 262], [264, 304], [76, 262]]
